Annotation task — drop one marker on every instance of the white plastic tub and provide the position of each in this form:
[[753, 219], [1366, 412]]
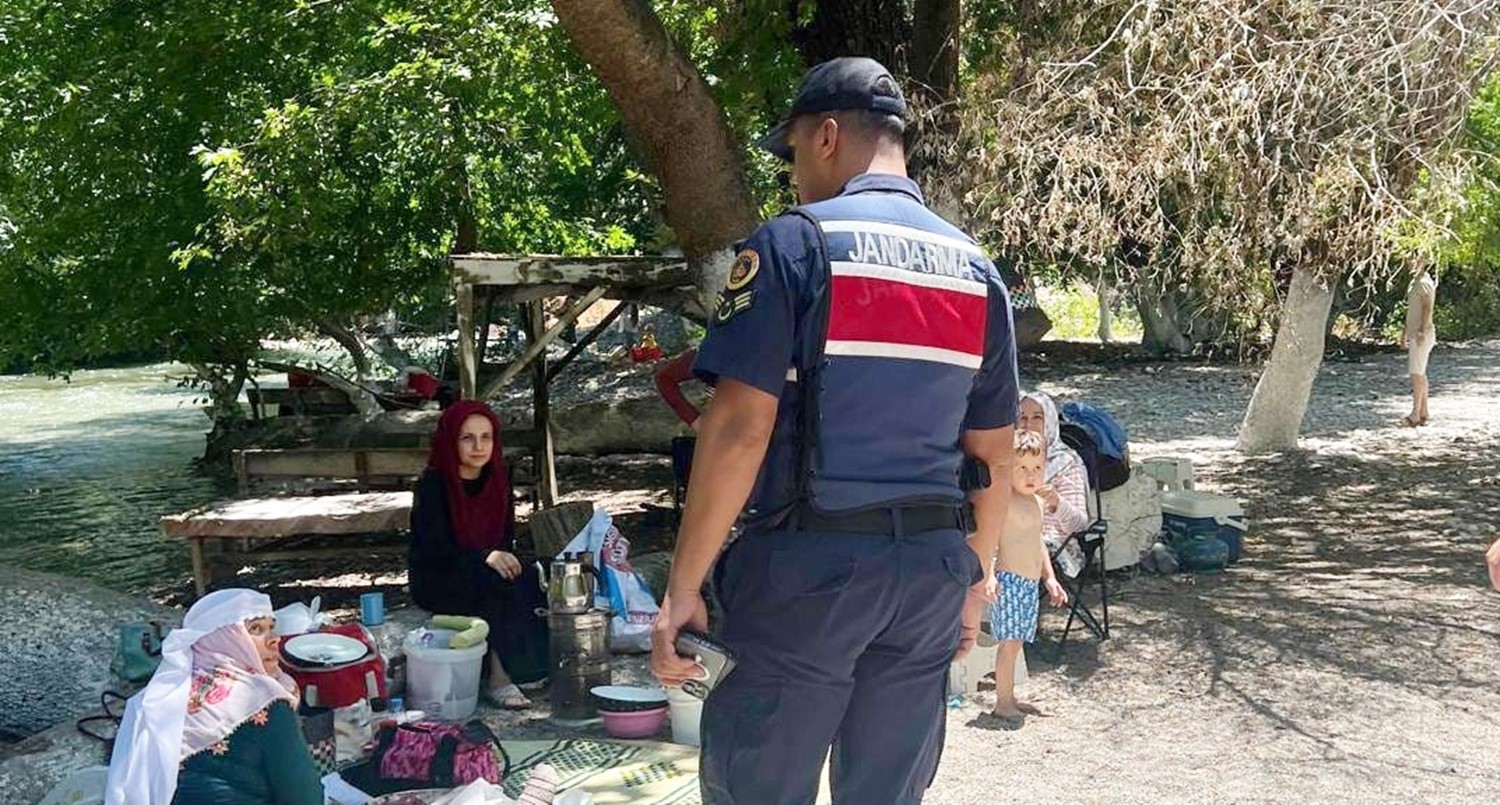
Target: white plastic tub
[[686, 713], [442, 681]]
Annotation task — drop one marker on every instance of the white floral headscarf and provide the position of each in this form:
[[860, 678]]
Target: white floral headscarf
[[209, 682]]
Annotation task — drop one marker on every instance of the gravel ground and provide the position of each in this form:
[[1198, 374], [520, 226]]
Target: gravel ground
[[1354, 655]]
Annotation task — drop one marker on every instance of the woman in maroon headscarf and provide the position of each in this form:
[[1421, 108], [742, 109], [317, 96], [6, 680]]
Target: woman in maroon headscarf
[[462, 554]]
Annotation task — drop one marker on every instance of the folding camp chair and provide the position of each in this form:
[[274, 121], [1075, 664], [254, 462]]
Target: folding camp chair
[[1090, 539]]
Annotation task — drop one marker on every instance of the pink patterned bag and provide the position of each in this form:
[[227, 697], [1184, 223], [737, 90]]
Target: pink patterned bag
[[439, 755]]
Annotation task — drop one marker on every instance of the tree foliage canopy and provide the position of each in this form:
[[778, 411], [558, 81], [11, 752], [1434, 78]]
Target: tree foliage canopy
[[185, 180], [191, 178]]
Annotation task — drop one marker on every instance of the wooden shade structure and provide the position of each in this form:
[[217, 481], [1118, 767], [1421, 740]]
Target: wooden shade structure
[[527, 282]]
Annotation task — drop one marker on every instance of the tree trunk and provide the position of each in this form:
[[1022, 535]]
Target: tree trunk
[[936, 148], [875, 28], [1161, 331], [1106, 310], [224, 386], [1279, 403], [350, 342], [935, 45], [223, 389], [668, 108]]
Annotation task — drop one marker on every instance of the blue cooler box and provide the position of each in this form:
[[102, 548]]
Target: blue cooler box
[[1188, 512]]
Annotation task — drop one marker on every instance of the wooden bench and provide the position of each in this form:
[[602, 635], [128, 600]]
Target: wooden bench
[[289, 496]]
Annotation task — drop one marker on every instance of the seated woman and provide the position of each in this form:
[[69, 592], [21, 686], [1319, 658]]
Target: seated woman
[[1065, 494], [462, 555], [217, 723]]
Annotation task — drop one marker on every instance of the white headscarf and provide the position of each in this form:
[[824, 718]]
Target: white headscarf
[[1059, 456], [151, 742]]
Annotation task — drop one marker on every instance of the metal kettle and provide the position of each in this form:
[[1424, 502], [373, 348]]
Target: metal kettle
[[571, 583]]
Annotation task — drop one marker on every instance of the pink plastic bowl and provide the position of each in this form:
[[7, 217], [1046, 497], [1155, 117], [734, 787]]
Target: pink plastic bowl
[[640, 724]]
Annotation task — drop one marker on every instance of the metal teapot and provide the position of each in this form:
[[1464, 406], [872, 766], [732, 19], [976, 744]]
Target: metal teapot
[[571, 583]]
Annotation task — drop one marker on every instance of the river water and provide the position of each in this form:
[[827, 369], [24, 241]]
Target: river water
[[88, 467]]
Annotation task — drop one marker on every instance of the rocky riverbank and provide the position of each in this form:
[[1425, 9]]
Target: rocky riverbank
[[59, 635]]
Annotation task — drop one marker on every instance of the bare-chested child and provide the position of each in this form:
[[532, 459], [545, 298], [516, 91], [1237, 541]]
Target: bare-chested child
[[1021, 565]]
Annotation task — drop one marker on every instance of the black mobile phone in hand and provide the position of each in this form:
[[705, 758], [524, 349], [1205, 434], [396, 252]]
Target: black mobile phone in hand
[[715, 658]]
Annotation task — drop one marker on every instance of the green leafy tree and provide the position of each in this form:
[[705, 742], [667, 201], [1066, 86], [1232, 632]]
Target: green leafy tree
[[186, 180], [1468, 247]]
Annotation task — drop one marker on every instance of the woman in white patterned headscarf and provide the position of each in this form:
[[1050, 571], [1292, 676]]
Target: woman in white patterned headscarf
[[217, 722], [1065, 495]]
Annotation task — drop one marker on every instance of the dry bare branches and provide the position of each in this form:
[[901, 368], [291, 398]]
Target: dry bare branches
[[1227, 136]]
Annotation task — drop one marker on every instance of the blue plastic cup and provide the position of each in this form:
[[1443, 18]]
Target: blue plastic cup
[[372, 609]]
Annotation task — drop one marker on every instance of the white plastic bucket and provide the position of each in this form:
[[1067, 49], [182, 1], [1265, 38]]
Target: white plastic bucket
[[686, 713], [442, 681]]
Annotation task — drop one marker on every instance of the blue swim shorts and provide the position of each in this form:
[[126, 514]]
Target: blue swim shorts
[[1013, 616]]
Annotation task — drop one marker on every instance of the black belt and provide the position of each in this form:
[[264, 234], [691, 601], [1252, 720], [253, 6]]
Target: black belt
[[890, 522]]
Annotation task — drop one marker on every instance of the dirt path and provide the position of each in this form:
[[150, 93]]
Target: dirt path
[[1354, 655]]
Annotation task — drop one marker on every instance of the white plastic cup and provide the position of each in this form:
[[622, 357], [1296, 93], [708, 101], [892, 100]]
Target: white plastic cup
[[686, 713]]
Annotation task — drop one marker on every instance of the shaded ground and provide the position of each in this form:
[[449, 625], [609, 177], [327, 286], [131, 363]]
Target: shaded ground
[[1353, 655]]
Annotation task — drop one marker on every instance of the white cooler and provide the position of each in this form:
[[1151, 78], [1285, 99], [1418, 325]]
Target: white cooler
[[1200, 512]]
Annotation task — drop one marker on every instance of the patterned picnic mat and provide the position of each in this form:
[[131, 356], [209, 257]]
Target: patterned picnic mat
[[614, 772]]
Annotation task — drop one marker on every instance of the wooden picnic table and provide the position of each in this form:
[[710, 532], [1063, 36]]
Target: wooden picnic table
[[253, 529], [367, 491]]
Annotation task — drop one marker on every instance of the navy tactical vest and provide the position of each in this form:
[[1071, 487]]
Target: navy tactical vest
[[886, 360]]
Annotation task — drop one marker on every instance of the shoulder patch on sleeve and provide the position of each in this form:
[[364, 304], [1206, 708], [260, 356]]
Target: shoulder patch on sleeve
[[745, 267]]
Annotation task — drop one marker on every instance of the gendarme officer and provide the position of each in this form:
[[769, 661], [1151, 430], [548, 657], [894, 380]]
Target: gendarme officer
[[861, 347]]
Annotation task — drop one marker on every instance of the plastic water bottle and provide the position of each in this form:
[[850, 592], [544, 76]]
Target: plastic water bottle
[[397, 709], [388, 641]]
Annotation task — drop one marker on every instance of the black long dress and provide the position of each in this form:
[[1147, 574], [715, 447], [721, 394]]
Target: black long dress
[[449, 579]]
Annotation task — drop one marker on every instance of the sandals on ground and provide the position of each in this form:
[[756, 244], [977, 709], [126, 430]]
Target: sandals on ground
[[507, 697]]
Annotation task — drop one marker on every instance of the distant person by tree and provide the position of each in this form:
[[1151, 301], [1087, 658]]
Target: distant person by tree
[[1420, 337], [1492, 558]]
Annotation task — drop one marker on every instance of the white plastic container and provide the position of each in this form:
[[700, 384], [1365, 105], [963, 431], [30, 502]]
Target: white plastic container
[[441, 681], [686, 714], [1171, 473]]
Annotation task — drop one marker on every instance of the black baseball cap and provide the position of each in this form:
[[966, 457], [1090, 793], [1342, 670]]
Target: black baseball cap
[[852, 82]]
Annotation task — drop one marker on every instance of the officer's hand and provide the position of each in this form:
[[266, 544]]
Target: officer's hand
[[974, 603], [679, 610]]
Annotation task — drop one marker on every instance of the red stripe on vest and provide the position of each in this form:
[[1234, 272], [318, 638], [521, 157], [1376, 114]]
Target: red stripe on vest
[[884, 311]]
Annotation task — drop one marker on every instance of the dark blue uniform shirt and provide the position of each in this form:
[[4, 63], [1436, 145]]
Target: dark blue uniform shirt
[[918, 348]]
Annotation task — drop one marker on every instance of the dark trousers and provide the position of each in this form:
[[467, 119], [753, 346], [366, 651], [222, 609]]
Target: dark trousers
[[842, 641], [517, 636]]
